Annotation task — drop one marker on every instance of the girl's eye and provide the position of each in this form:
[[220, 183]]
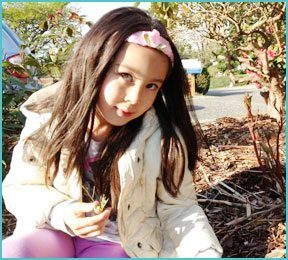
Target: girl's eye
[[152, 86], [126, 76]]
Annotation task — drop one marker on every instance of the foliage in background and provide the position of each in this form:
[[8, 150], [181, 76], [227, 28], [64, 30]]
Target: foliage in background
[[12, 119], [29, 21], [50, 30], [60, 32], [202, 82], [25, 17], [219, 82], [165, 12], [251, 34], [190, 43]]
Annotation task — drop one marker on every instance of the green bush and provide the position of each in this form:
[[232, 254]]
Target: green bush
[[12, 119], [212, 70], [51, 37], [202, 82], [222, 66]]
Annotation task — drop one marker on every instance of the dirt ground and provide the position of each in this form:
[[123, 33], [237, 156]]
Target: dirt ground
[[243, 205]]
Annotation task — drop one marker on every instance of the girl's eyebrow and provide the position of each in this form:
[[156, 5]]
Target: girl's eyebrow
[[135, 72]]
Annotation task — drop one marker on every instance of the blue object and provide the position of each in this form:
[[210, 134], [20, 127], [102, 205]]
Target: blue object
[[11, 44], [194, 71], [11, 49], [192, 66]]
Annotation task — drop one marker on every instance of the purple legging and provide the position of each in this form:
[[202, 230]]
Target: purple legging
[[45, 243]]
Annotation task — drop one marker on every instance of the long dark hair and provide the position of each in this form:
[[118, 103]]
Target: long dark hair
[[76, 104]]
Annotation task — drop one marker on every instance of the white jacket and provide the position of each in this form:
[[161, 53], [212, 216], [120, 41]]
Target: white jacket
[[151, 222]]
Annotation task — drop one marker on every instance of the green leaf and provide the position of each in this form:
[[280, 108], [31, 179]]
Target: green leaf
[[103, 201], [69, 31], [21, 117], [55, 71], [6, 64], [43, 26], [89, 23], [52, 54], [185, 9], [31, 61], [280, 59], [6, 99]]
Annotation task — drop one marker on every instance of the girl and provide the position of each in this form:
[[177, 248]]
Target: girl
[[117, 125]]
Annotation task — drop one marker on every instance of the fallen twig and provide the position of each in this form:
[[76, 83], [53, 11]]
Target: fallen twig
[[241, 205], [241, 219]]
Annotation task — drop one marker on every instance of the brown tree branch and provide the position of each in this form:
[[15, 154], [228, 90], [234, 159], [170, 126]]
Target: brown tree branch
[[267, 20], [277, 40]]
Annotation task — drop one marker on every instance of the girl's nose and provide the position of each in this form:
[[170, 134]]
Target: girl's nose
[[133, 94]]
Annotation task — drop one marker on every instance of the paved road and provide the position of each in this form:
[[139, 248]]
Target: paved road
[[227, 102]]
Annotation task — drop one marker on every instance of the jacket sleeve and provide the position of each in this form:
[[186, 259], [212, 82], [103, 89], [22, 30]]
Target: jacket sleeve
[[24, 191], [184, 223]]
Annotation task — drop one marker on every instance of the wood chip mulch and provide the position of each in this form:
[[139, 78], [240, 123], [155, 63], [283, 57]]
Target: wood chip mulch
[[243, 206]]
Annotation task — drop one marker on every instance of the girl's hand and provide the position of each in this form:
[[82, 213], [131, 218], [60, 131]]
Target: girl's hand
[[83, 226]]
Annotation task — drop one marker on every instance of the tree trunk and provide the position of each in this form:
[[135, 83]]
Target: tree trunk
[[276, 99]]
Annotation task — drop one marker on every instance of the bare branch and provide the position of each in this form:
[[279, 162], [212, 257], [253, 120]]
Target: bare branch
[[267, 20], [277, 40]]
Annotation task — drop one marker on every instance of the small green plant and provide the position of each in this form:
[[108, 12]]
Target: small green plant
[[102, 201]]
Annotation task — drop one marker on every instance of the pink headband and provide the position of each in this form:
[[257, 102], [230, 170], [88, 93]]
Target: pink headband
[[154, 40]]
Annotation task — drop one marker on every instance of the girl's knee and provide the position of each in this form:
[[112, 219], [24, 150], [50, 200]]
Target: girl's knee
[[14, 246], [39, 243]]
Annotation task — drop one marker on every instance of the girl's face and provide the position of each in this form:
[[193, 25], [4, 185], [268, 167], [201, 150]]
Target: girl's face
[[131, 85]]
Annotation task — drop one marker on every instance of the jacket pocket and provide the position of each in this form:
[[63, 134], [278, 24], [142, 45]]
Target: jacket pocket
[[147, 241], [32, 151]]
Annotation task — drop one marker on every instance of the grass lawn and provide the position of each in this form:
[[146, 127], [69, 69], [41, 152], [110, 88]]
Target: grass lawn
[[220, 82]]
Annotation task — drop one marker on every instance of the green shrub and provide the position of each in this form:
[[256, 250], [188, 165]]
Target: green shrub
[[222, 66], [12, 119], [212, 70], [202, 82]]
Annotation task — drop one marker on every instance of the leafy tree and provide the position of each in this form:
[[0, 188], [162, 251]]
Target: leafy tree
[[252, 34], [25, 17], [192, 45], [165, 12], [50, 30]]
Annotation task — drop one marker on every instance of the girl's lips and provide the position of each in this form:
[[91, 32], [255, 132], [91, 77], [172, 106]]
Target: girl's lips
[[123, 113]]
